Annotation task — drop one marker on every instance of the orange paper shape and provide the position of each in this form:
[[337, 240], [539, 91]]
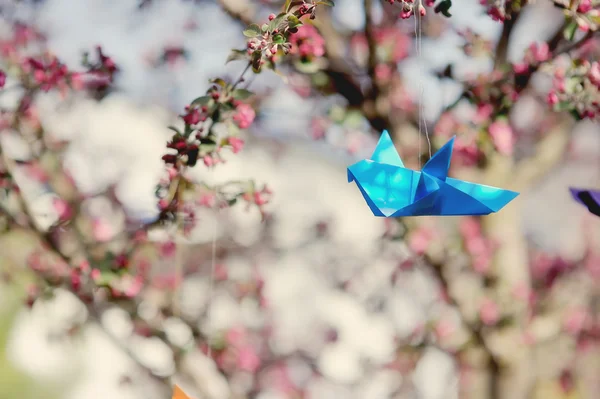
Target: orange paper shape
[[179, 394]]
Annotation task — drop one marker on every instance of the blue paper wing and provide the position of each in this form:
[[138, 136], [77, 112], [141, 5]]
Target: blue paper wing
[[491, 197], [386, 188], [439, 163], [386, 152]]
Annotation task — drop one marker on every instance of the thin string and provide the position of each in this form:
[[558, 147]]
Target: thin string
[[418, 51], [212, 280], [422, 119]]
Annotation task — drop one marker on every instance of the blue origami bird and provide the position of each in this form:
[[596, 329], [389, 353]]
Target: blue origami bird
[[391, 190]]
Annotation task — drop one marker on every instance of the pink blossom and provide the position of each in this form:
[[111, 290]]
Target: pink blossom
[[584, 6], [540, 266], [62, 208], [247, 359], [318, 128], [521, 68], [419, 241], [236, 144], [102, 230], [244, 115], [307, 42], [540, 52], [594, 74], [208, 160], [235, 336], [134, 287], [467, 150], [489, 312], [2, 78], [383, 72], [482, 263], [444, 329], [36, 172], [95, 274], [469, 227], [446, 125], [575, 321], [168, 249], [502, 136], [484, 111], [163, 204], [552, 98], [208, 200], [192, 116]]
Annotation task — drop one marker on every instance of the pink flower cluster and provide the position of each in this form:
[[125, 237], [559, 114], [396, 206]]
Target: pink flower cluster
[[535, 55], [394, 46], [577, 89], [420, 239], [496, 9], [502, 136], [584, 13], [546, 269], [480, 248], [244, 116], [47, 71], [239, 353], [307, 43], [408, 7], [466, 151]]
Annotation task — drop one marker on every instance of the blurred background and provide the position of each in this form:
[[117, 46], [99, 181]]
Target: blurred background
[[296, 290]]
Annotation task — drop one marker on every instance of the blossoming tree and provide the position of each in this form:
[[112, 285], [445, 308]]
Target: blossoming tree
[[498, 296]]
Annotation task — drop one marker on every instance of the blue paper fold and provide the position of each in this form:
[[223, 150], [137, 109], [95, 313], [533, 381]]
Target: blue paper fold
[[391, 190]]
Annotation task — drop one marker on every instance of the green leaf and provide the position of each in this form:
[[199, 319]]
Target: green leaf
[[328, 3], [274, 24], [444, 8], [236, 55], [252, 31], [232, 201], [173, 128], [204, 100], [569, 32], [241, 94], [307, 67], [219, 81], [289, 4], [563, 106], [264, 28], [278, 39], [256, 57], [294, 22]]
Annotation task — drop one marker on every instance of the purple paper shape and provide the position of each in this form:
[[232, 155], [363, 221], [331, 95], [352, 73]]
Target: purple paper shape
[[588, 198]]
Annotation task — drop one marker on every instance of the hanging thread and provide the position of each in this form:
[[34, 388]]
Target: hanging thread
[[212, 279], [421, 113]]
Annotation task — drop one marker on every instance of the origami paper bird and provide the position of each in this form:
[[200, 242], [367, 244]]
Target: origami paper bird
[[179, 394], [589, 198], [391, 190]]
